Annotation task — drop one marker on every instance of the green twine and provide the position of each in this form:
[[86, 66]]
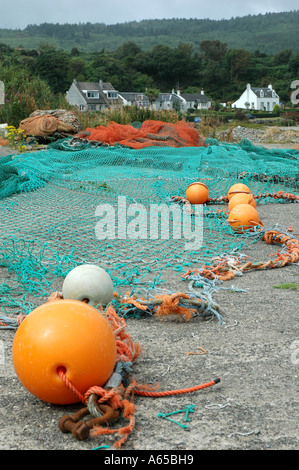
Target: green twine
[[188, 409]]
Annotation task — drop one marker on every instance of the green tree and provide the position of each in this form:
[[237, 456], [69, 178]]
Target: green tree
[[238, 64], [293, 66], [213, 50], [53, 66], [77, 69], [282, 57]]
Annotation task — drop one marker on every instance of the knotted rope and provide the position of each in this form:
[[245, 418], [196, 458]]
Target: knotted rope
[[225, 270], [108, 403]]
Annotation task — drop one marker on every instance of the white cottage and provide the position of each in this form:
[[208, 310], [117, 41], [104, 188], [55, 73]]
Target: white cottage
[[263, 99], [134, 99], [184, 101], [92, 96], [196, 100]]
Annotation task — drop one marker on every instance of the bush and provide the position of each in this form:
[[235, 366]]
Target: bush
[[240, 116], [23, 95]]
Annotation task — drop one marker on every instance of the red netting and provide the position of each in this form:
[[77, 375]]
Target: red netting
[[151, 133]]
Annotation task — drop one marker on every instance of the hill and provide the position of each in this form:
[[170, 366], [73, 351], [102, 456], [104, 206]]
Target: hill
[[269, 33]]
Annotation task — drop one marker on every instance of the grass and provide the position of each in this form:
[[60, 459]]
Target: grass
[[288, 285]]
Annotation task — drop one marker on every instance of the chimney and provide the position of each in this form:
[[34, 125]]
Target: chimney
[[202, 92], [179, 92], [101, 84], [270, 86]]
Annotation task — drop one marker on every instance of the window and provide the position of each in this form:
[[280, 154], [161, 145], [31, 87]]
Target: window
[[92, 94], [112, 94]]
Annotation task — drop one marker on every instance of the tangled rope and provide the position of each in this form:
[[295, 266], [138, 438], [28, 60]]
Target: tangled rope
[[226, 268], [114, 400], [166, 304]]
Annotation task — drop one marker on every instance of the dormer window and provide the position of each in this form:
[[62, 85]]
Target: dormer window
[[262, 94], [112, 95], [92, 94]]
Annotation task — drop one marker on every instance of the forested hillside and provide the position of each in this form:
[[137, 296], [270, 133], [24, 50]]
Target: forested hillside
[[269, 33], [221, 71], [39, 77]]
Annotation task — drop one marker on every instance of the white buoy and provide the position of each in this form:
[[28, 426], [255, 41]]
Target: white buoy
[[88, 283]]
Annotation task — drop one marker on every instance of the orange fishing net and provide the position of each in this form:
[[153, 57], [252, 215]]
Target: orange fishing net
[[4, 142], [151, 133], [44, 125]]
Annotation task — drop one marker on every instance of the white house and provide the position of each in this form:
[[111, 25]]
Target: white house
[[168, 101], [257, 98], [134, 99], [182, 101], [93, 96], [96, 96], [196, 100]]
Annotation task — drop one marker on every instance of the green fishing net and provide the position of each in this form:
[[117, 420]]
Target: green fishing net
[[79, 202]]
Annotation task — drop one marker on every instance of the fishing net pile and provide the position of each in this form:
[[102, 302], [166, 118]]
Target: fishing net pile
[[90, 199], [150, 133]]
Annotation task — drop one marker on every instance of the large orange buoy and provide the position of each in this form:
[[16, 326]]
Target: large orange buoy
[[237, 188], [244, 217], [241, 198], [66, 335], [197, 193]]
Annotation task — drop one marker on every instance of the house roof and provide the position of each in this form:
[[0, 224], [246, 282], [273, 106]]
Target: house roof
[[195, 97], [169, 97], [107, 86], [132, 96], [91, 86], [268, 92]]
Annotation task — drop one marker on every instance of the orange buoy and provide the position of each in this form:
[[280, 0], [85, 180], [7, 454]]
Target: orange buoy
[[237, 188], [66, 335], [241, 198], [244, 217], [197, 193]]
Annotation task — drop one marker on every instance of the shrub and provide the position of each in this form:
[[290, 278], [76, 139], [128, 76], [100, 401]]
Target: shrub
[[23, 95]]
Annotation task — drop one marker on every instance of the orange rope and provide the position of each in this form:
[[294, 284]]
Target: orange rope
[[224, 272], [70, 386], [177, 392], [120, 398], [170, 305]]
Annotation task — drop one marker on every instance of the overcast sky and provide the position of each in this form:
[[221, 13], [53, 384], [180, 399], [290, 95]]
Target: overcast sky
[[20, 13]]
